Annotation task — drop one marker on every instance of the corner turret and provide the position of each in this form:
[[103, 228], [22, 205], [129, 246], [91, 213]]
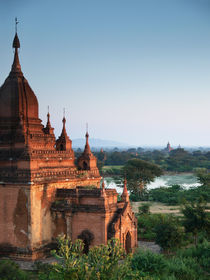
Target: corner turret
[[64, 143], [87, 160]]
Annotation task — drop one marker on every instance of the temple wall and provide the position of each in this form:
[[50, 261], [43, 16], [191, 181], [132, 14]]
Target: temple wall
[[43, 227], [14, 217], [93, 222]]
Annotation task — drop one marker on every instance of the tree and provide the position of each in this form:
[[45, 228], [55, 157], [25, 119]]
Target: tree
[[195, 218], [139, 173], [168, 233]]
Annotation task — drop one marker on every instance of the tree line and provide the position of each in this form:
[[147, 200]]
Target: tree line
[[178, 160]]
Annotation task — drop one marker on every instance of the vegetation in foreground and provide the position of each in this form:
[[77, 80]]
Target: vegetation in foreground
[[111, 263], [182, 260]]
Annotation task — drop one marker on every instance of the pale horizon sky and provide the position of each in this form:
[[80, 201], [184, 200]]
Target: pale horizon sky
[[138, 71]]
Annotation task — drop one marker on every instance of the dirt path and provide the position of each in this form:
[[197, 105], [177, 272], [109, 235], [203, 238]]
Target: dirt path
[[157, 207], [151, 246]]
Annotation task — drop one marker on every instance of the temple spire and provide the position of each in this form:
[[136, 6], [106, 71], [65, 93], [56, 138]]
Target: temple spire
[[48, 125], [64, 123], [64, 143], [87, 146], [16, 45], [103, 192], [125, 195], [48, 129]]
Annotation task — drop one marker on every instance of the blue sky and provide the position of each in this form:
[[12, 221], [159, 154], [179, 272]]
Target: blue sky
[[138, 71]]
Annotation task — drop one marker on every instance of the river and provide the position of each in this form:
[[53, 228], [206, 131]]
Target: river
[[186, 180]]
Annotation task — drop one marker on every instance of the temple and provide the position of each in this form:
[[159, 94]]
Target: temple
[[168, 148], [44, 190]]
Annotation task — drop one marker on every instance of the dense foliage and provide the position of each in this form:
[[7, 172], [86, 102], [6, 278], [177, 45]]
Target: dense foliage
[[9, 270], [110, 262], [175, 194]]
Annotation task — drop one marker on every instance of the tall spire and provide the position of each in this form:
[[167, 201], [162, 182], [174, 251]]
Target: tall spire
[[16, 45], [64, 123], [87, 146], [125, 195], [48, 117], [64, 143], [48, 129]]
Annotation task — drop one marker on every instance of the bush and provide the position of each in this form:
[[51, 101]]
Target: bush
[[147, 224], [169, 234], [201, 253], [9, 270], [148, 263], [144, 208], [184, 269]]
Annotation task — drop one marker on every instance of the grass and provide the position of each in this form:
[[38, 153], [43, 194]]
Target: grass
[[107, 167]]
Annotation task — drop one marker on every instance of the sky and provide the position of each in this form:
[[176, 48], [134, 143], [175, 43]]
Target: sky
[[137, 71]]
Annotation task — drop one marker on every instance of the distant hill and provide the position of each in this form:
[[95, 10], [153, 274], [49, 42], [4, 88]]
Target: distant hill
[[98, 143]]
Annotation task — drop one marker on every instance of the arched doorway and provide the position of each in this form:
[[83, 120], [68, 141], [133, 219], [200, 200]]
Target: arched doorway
[[85, 166], [87, 237], [128, 242]]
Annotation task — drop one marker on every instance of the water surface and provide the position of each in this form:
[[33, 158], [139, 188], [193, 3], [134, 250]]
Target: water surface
[[186, 180]]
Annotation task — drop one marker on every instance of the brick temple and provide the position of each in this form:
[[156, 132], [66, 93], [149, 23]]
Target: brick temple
[[44, 190]]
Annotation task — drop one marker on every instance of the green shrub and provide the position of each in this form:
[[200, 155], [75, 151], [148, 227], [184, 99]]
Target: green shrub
[[184, 269], [169, 234], [147, 224], [201, 253], [144, 208], [9, 270], [148, 263]]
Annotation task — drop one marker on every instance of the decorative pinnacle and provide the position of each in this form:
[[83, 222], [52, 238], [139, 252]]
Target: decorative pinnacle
[[87, 146], [16, 23], [16, 42], [125, 195], [64, 119], [48, 115], [16, 68], [87, 135]]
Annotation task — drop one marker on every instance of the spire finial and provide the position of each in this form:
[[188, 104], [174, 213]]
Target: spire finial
[[64, 122], [48, 114], [64, 119], [87, 134], [16, 68], [16, 23], [125, 195]]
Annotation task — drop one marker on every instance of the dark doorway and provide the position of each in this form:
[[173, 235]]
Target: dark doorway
[[87, 237], [128, 242], [85, 166]]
